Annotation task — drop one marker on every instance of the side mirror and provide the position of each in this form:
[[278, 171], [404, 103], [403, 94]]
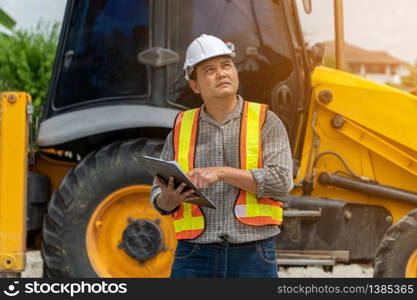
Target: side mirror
[[307, 6], [158, 57]]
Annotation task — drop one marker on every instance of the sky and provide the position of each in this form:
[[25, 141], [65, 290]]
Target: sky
[[27, 13], [386, 25]]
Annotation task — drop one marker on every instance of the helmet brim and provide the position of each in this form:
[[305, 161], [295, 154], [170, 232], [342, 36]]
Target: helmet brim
[[190, 69]]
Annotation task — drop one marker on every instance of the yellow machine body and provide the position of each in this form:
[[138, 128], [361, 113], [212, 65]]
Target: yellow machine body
[[375, 134], [13, 174]]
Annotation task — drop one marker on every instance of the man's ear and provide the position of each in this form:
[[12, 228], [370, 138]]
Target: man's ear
[[194, 86]]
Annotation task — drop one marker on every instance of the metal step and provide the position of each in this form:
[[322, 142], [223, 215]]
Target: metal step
[[293, 213], [311, 257], [306, 262]]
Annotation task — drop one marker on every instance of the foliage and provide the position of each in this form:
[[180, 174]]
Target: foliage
[[6, 20], [329, 61], [410, 81], [26, 59]]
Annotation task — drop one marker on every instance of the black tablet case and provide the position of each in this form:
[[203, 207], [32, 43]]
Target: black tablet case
[[165, 169]]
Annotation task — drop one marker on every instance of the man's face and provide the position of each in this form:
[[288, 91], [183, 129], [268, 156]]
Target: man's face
[[216, 78]]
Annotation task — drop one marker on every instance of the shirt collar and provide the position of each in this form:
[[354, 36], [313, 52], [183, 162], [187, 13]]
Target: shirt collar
[[234, 114]]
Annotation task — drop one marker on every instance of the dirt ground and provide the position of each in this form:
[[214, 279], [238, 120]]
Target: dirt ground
[[34, 270]]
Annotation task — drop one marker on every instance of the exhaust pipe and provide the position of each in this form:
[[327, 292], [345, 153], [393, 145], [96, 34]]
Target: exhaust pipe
[[340, 34]]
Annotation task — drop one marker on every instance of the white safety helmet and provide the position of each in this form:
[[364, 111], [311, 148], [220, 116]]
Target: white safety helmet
[[202, 48]]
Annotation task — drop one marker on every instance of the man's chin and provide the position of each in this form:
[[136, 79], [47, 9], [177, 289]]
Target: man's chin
[[226, 93]]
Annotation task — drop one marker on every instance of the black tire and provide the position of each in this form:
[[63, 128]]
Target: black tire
[[82, 189], [397, 246]]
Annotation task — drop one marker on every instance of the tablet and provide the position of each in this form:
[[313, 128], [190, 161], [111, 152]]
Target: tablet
[[165, 169]]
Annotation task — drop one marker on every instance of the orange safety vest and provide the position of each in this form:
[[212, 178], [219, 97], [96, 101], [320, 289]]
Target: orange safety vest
[[189, 218]]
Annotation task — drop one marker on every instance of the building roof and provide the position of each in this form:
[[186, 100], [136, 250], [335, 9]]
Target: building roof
[[357, 55]]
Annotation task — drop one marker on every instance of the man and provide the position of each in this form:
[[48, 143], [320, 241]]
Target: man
[[238, 153]]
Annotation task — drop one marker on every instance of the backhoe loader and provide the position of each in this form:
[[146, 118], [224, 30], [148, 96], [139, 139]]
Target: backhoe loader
[[79, 193]]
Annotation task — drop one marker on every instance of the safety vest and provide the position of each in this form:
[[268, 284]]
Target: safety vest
[[189, 218]]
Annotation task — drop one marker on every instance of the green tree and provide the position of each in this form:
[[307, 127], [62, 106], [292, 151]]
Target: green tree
[[6, 20], [329, 61], [26, 59], [410, 81]]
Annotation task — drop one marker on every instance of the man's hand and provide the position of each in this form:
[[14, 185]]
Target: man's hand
[[204, 177], [171, 197]]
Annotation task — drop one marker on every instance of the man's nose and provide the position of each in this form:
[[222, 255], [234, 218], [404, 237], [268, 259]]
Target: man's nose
[[221, 73]]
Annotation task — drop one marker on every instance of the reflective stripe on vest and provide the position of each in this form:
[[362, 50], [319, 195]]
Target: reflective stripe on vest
[[248, 209], [188, 219]]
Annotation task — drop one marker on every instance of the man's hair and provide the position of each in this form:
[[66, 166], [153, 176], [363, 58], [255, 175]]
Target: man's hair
[[193, 75]]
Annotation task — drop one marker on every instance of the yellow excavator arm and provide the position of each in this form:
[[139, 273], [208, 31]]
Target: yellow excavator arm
[[15, 112]]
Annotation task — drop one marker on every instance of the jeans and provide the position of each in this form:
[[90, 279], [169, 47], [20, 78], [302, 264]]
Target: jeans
[[224, 260]]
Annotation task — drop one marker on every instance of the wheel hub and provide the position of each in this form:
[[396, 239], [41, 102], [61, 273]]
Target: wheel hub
[[109, 228], [142, 239]]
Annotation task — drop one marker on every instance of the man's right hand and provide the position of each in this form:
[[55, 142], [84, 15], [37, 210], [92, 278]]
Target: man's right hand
[[171, 197]]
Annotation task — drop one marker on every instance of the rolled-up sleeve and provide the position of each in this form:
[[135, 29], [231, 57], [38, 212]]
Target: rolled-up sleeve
[[166, 154], [275, 178]]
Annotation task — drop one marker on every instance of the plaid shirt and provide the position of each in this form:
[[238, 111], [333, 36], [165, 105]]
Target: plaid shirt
[[218, 145]]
